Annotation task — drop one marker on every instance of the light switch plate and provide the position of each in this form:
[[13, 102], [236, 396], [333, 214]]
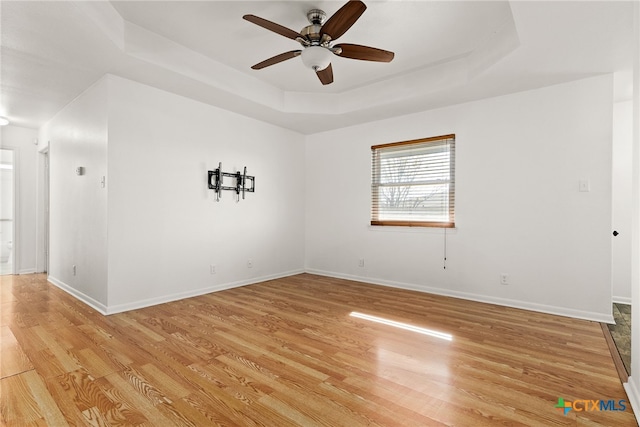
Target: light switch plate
[[585, 185]]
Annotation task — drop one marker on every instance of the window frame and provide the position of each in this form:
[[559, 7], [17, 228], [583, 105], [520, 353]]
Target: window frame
[[375, 187]]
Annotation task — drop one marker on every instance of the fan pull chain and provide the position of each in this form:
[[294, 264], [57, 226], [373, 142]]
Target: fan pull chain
[[444, 262]]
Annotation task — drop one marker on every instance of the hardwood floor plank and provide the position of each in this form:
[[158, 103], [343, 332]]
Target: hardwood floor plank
[[294, 414], [288, 352], [370, 412], [170, 385], [122, 412], [47, 406], [138, 327], [389, 403], [138, 399], [64, 401], [17, 404], [24, 400], [57, 351], [199, 408], [13, 359], [96, 361], [45, 363]]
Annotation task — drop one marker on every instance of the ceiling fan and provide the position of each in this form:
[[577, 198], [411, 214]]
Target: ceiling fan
[[316, 40]]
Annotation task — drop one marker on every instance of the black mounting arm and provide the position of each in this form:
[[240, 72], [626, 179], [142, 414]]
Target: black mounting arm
[[216, 177]]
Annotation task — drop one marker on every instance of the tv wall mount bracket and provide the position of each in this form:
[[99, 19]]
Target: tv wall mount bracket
[[244, 183]]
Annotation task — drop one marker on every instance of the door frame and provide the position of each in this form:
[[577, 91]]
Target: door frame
[[16, 207]]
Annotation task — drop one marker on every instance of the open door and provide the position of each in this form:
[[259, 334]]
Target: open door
[[7, 211]]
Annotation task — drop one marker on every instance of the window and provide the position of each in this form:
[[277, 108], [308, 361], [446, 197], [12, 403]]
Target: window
[[413, 183]]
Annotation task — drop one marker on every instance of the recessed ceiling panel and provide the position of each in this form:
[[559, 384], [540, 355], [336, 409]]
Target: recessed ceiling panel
[[420, 34]]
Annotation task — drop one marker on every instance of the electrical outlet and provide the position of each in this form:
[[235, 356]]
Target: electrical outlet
[[504, 279], [212, 269], [73, 269], [361, 262], [249, 263]]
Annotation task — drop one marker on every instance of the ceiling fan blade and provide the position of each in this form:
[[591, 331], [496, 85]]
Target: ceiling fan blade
[[276, 59], [364, 53], [343, 19], [272, 26], [326, 75]]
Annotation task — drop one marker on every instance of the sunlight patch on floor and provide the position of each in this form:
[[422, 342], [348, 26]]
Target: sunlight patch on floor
[[401, 325]]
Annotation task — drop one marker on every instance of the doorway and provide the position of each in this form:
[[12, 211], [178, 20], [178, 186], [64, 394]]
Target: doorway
[[7, 211], [46, 211]]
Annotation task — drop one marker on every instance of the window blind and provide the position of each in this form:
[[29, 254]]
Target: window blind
[[413, 183]]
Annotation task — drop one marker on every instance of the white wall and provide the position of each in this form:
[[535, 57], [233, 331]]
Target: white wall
[[518, 209], [42, 209], [152, 233], [519, 160], [621, 199], [165, 230], [77, 136], [22, 141], [633, 385]]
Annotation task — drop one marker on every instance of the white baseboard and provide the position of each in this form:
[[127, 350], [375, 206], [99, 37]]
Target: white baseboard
[[633, 395], [622, 300], [134, 305], [542, 308], [27, 271], [96, 305]]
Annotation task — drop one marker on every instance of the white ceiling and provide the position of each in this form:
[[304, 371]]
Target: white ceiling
[[446, 52]]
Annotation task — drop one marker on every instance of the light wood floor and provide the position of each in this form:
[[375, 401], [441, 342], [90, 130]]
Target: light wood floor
[[287, 352]]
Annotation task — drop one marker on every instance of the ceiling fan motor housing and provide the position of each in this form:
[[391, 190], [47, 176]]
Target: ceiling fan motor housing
[[312, 33], [316, 16]]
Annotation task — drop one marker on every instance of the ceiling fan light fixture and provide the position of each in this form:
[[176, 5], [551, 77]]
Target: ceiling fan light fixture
[[316, 57], [316, 40]]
